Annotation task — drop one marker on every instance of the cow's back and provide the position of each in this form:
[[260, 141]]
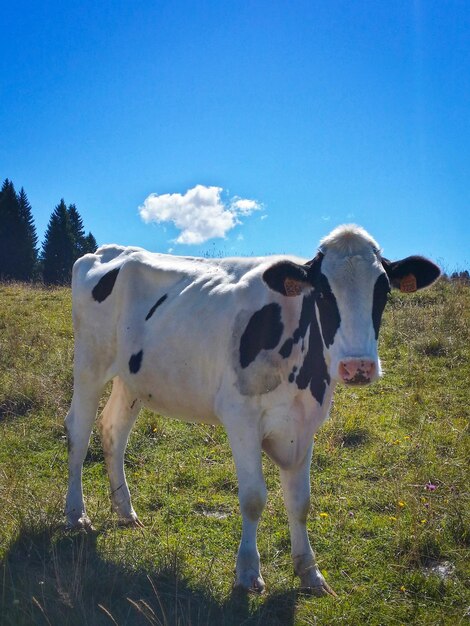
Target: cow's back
[[168, 326]]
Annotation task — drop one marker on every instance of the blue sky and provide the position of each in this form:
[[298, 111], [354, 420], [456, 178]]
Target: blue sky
[[321, 113]]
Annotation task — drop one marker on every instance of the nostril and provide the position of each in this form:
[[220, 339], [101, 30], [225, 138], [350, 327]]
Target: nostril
[[347, 369], [357, 370]]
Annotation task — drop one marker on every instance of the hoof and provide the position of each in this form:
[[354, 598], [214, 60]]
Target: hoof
[[83, 523], [319, 591], [313, 583], [251, 583], [133, 522]]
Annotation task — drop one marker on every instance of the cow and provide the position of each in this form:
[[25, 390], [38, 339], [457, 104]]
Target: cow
[[254, 344]]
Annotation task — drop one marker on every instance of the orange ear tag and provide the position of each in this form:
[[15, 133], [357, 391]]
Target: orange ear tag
[[292, 287], [408, 283]]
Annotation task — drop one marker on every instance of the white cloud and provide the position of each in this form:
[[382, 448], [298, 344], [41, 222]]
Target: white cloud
[[199, 214], [243, 206]]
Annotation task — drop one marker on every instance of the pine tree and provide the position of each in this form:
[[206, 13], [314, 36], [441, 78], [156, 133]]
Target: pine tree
[[29, 253], [58, 251], [90, 244], [78, 231], [17, 235], [83, 244], [8, 208]]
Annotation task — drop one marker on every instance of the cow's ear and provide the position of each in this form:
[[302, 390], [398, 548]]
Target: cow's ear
[[288, 278], [412, 273]]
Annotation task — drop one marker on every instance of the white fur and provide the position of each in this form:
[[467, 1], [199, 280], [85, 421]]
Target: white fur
[[190, 370], [348, 239], [352, 267]]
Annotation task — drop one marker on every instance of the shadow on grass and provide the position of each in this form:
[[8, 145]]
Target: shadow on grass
[[66, 581]]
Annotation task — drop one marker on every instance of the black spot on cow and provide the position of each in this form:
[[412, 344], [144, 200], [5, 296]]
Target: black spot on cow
[[104, 286], [135, 362], [330, 319], [381, 291], [286, 348], [263, 332], [308, 309], [155, 306], [292, 374], [314, 372]]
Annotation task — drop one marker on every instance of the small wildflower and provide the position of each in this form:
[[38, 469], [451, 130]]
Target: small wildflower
[[423, 521], [430, 487], [154, 429], [401, 503], [403, 589], [397, 441], [351, 513], [406, 437], [323, 514], [393, 518]]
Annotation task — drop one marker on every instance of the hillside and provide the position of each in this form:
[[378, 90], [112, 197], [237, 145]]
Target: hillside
[[390, 517]]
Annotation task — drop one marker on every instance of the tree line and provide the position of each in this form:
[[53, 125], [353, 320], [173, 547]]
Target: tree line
[[64, 241]]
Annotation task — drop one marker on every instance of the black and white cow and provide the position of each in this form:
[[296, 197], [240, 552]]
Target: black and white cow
[[255, 344]]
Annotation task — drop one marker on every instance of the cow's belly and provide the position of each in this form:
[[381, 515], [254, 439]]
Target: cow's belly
[[172, 386], [168, 407]]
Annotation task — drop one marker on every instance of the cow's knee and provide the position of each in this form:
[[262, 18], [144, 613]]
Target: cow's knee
[[252, 503]]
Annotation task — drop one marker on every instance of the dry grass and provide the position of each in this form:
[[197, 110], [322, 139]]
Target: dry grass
[[390, 499]]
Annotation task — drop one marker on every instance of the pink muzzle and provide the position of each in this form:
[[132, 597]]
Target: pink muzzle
[[357, 371]]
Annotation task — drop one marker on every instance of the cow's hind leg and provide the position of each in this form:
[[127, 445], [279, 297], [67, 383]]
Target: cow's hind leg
[[296, 489], [246, 448], [79, 423], [116, 423]]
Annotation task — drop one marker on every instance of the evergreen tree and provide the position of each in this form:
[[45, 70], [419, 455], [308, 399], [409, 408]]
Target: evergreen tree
[[8, 208], [29, 252], [58, 251], [78, 231], [90, 244], [17, 235], [83, 244]]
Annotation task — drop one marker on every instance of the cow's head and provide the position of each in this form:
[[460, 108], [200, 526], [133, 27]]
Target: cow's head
[[348, 283]]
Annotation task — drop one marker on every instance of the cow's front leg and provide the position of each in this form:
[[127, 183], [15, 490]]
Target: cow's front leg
[[245, 442], [296, 489]]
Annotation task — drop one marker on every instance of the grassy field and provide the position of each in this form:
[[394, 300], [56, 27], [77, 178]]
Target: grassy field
[[390, 516]]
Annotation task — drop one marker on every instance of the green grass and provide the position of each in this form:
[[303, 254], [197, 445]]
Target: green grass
[[380, 535]]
